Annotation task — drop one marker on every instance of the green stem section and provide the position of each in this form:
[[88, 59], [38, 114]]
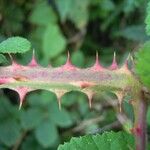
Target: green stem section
[[61, 79]]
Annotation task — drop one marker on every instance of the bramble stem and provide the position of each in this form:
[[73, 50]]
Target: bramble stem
[[140, 130]]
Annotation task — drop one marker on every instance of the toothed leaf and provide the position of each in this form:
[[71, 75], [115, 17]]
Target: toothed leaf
[[106, 141], [15, 45], [142, 63]]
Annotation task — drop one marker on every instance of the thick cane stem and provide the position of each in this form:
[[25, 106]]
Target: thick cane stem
[[140, 129]]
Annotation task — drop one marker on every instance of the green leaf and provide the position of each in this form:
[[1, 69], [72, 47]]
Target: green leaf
[[134, 32], [8, 110], [79, 12], [142, 63], [74, 10], [59, 60], [44, 11], [13, 19], [61, 118], [9, 132], [130, 5], [147, 20], [64, 8], [69, 99], [107, 5], [30, 143], [15, 45], [31, 118], [41, 99], [106, 141], [2, 147], [46, 133], [53, 41]]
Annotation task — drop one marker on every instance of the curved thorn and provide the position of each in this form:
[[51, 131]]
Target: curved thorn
[[97, 58], [14, 63], [127, 59], [89, 95], [132, 61], [114, 63], [131, 57], [68, 65], [114, 58], [20, 104], [11, 58], [68, 58], [33, 60], [90, 103], [120, 99], [22, 91], [59, 102], [59, 94], [68, 61], [97, 66], [125, 67]]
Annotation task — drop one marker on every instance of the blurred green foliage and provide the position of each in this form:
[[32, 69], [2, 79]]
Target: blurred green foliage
[[142, 64], [54, 27]]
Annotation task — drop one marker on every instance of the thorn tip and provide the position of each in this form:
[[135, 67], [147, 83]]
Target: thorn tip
[[114, 65], [22, 92], [33, 61], [20, 104], [89, 96], [97, 66], [120, 96], [59, 103], [68, 65]]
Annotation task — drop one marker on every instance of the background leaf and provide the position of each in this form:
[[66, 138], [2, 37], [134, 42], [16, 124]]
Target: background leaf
[[27, 116], [46, 13], [11, 128], [61, 118], [135, 33], [46, 133], [75, 10], [54, 42]]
